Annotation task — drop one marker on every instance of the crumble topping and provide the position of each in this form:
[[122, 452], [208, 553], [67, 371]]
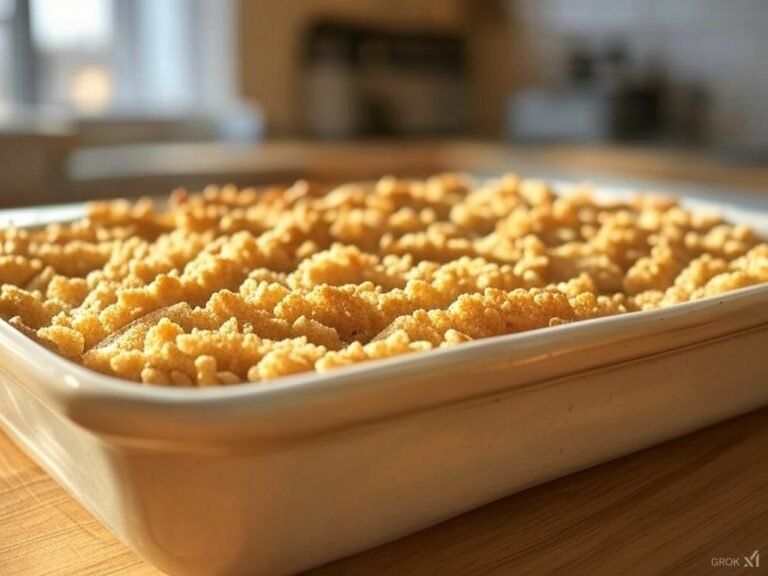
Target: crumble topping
[[233, 285]]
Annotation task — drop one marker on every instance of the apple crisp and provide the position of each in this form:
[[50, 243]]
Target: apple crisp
[[236, 285]]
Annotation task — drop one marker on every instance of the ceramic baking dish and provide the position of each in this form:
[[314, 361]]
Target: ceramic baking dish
[[278, 477]]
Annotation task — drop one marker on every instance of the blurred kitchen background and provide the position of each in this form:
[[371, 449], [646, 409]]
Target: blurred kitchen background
[[103, 98]]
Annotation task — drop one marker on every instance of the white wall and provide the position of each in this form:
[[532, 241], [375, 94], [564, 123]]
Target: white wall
[[723, 44]]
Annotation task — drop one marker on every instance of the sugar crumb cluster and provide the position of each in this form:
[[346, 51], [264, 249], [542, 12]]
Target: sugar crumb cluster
[[229, 285]]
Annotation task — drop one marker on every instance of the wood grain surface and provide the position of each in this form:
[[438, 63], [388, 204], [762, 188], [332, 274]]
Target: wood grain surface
[[668, 509]]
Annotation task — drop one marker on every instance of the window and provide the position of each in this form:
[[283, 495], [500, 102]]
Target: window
[[97, 56], [74, 46], [7, 12], [71, 25]]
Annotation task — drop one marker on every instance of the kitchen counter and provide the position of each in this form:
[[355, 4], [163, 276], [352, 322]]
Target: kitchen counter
[[155, 169], [674, 508], [671, 508], [70, 173]]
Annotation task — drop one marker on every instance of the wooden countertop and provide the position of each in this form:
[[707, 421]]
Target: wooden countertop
[[312, 159], [158, 168], [155, 169], [671, 508], [667, 509]]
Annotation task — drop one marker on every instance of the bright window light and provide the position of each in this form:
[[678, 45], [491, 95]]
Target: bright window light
[[71, 24]]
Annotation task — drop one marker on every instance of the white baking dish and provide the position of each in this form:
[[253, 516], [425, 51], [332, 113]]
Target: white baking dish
[[283, 476]]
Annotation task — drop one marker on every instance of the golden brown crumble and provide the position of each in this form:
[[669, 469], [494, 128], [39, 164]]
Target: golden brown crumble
[[234, 285]]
